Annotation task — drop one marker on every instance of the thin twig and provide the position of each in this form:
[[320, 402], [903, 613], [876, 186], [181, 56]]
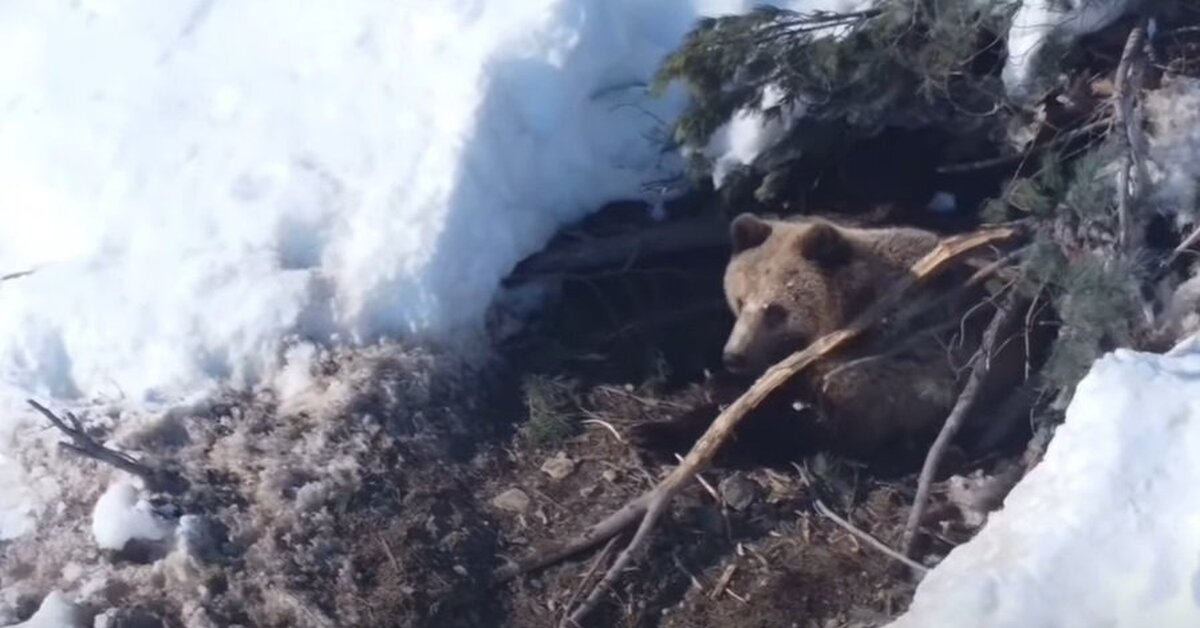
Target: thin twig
[[1124, 91], [723, 581], [703, 482], [1187, 243], [870, 540], [1003, 160], [979, 370], [387, 550], [587, 577], [605, 424], [85, 445]]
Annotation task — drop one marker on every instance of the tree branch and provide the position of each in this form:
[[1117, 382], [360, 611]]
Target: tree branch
[[155, 479]]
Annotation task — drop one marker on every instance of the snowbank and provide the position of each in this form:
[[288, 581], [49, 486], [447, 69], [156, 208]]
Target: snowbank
[[192, 181], [1104, 531]]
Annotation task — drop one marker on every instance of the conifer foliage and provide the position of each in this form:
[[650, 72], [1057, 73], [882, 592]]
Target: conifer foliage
[[908, 64]]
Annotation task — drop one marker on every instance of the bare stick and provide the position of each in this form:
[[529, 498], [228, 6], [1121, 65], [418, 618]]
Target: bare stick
[[621, 249], [587, 577], [649, 507], [723, 581], [1187, 243], [870, 540], [982, 362], [1126, 121], [87, 446]]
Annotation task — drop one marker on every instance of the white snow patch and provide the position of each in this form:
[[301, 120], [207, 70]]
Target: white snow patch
[[1039, 22], [56, 611], [739, 141], [121, 516], [1103, 532]]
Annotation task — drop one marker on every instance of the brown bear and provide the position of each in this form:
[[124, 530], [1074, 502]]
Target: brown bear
[[792, 281]]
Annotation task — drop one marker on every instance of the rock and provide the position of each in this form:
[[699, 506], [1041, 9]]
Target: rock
[[609, 475], [127, 618], [739, 491], [558, 467], [55, 611], [199, 618], [513, 500]]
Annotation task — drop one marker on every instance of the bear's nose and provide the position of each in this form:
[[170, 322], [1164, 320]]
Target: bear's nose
[[734, 362]]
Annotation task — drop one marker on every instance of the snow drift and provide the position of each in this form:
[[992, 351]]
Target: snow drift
[[1103, 532]]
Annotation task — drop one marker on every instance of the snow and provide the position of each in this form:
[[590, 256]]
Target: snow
[[56, 611], [748, 134], [120, 516], [1173, 116], [199, 185], [1038, 24], [1103, 532]]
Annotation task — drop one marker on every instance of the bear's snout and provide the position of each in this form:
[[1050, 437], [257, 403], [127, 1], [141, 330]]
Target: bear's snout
[[735, 362]]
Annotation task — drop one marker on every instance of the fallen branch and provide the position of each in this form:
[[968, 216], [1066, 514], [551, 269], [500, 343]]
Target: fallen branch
[[626, 247], [649, 507], [155, 479], [979, 370]]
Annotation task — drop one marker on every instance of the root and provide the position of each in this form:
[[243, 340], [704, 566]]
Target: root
[[826, 512], [649, 507]]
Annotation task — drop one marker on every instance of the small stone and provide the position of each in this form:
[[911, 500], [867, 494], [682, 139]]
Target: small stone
[[739, 491], [127, 618], [512, 500], [558, 467], [460, 570], [609, 475], [588, 491]]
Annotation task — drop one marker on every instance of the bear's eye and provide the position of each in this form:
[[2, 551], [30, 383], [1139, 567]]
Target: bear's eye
[[774, 314]]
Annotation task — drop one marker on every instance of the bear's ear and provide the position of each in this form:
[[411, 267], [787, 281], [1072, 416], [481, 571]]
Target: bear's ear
[[748, 231], [825, 246]]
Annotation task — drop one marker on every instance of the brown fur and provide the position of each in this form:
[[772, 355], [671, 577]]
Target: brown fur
[[791, 282]]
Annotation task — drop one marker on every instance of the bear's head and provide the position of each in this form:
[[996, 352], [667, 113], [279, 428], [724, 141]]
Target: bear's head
[[791, 282]]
